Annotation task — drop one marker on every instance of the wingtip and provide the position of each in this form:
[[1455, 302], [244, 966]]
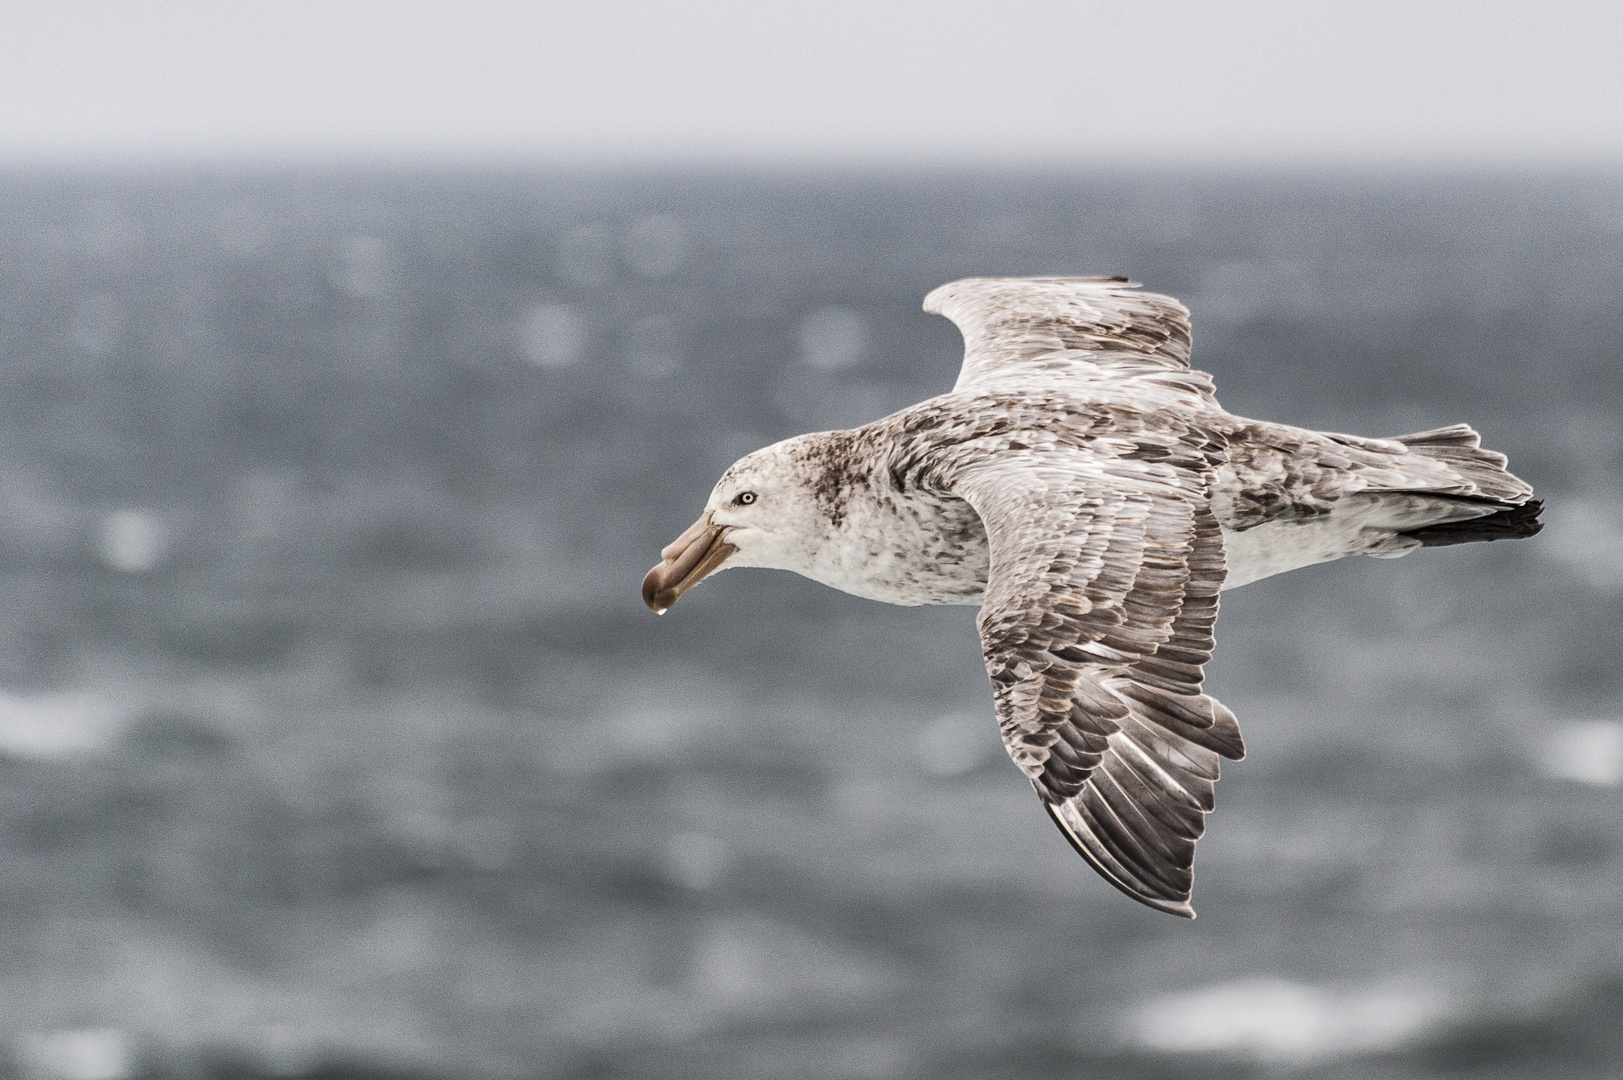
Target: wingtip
[[1180, 908]]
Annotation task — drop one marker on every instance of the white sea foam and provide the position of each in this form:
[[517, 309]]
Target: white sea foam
[[77, 1054], [1275, 1019]]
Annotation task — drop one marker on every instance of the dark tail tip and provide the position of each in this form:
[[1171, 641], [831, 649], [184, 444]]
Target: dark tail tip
[[1511, 523]]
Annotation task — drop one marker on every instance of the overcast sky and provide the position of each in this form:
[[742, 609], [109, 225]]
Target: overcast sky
[[1072, 82]]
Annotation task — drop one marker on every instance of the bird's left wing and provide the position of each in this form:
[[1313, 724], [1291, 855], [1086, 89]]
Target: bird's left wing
[[1100, 604]]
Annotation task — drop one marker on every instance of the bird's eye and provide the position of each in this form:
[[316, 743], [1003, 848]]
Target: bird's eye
[[745, 498]]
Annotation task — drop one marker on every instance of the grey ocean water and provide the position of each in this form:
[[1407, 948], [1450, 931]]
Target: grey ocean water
[[337, 742]]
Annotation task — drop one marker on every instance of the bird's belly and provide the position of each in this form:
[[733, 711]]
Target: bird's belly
[[1276, 547], [1369, 523]]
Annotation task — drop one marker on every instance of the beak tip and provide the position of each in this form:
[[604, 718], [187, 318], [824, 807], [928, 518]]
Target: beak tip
[[657, 593], [686, 562]]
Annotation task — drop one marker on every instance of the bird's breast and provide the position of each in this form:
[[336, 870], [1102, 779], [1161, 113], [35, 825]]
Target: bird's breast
[[918, 548]]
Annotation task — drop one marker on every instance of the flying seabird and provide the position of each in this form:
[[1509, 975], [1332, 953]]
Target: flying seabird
[[1083, 487]]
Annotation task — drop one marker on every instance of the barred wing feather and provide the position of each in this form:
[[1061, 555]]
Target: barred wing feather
[[1100, 607]]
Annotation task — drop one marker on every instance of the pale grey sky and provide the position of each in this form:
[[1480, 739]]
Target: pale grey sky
[[1027, 81]]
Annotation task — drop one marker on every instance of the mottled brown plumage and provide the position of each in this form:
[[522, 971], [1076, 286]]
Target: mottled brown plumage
[[1084, 486]]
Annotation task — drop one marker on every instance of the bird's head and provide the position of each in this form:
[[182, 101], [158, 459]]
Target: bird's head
[[775, 508]]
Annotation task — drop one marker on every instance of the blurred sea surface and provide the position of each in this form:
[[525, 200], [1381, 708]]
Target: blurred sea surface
[[335, 739]]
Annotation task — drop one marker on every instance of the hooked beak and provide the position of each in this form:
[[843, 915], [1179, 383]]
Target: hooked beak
[[688, 560]]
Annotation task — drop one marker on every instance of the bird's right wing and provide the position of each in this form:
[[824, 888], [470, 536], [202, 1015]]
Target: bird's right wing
[[1100, 604], [1098, 336]]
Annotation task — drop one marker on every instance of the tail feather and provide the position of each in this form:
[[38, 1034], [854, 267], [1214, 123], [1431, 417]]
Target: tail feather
[[1511, 523], [1483, 472], [1460, 449]]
